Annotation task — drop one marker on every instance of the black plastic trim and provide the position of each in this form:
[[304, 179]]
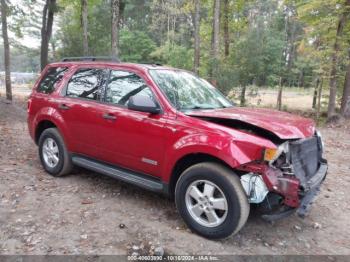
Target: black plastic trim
[[318, 178], [91, 58], [129, 176], [312, 190], [287, 211]]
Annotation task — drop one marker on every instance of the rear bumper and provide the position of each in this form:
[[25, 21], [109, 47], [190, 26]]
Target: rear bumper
[[30, 126], [312, 189]]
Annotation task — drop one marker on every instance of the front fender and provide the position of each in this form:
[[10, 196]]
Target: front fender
[[233, 150]]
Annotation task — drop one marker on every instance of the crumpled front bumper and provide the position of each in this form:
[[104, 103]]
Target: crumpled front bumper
[[312, 189], [296, 198]]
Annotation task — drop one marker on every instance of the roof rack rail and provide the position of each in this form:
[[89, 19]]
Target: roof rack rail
[[150, 63], [90, 58]]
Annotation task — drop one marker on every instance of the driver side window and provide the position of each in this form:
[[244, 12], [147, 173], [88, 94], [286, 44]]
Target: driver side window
[[122, 85]]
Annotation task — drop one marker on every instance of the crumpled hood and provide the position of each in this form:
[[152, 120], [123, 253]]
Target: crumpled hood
[[282, 124]]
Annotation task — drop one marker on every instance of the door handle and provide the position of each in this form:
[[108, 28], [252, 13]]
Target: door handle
[[63, 107], [109, 116]]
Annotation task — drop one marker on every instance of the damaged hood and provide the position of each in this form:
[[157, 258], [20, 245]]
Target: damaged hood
[[282, 124]]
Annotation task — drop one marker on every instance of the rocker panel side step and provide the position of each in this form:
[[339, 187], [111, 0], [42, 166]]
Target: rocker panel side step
[[125, 175]]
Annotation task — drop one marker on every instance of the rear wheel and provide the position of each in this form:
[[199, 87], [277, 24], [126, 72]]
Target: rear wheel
[[211, 200], [53, 153]]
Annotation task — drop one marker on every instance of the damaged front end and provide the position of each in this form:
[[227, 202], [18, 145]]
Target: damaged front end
[[288, 176], [287, 179]]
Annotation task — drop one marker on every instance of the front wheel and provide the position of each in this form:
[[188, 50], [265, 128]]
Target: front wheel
[[211, 200]]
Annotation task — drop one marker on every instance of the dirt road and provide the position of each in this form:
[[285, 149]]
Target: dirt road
[[87, 213]]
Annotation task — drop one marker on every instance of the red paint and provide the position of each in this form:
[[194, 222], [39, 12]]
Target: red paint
[[282, 124], [166, 137]]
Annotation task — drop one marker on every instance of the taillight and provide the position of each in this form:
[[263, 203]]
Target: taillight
[[29, 104]]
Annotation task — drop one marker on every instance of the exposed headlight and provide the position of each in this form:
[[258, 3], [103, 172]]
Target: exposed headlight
[[271, 154]]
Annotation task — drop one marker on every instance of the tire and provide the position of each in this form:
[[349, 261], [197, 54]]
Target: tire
[[227, 187], [64, 164]]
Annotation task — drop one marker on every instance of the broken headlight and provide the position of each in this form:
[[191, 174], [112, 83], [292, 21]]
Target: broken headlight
[[282, 159], [271, 155]]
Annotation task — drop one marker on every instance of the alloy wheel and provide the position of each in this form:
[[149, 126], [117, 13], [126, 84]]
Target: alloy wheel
[[206, 203], [50, 152]]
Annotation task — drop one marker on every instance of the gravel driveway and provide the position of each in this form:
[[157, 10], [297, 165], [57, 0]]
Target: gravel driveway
[[87, 213]]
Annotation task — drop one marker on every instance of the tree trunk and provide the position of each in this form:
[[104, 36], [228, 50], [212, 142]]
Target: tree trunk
[[243, 95], [301, 79], [291, 51], [169, 45], [226, 29], [46, 31], [196, 37], [314, 99], [345, 102], [53, 47], [290, 26], [115, 27], [216, 29], [84, 24], [215, 38], [6, 50], [319, 99], [335, 58], [279, 96]]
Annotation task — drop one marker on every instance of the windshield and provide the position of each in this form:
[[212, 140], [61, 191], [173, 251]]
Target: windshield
[[187, 92]]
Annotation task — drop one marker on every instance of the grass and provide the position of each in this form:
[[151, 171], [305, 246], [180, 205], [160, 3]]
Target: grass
[[294, 100]]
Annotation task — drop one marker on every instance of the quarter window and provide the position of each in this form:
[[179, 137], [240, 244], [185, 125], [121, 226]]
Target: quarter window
[[53, 76], [122, 85], [87, 83]]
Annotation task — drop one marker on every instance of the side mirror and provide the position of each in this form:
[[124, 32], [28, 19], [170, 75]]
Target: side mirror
[[143, 103]]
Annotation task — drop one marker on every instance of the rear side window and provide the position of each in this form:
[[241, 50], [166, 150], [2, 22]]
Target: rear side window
[[53, 76], [87, 83]]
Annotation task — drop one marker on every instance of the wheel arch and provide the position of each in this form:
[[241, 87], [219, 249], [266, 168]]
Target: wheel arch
[[41, 126], [49, 117], [187, 161]]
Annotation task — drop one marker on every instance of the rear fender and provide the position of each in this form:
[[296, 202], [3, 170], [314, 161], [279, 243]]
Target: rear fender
[[54, 116]]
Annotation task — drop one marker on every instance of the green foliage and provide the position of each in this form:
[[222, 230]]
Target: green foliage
[[320, 18], [258, 57], [135, 46], [99, 27], [269, 40], [173, 55]]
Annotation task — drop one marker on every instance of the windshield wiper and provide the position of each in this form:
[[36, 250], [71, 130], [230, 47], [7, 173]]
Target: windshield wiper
[[198, 107]]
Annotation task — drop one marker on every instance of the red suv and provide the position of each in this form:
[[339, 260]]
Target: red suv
[[171, 132]]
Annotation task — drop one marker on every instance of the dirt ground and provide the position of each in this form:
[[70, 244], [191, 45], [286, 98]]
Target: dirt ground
[[87, 213], [292, 99]]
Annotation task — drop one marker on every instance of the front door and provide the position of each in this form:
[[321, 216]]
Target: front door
[[132, 139]]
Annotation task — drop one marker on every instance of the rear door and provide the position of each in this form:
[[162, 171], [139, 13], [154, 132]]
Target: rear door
[[81, 111]]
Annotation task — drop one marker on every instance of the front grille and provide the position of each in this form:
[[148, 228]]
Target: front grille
[[305, 157]]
